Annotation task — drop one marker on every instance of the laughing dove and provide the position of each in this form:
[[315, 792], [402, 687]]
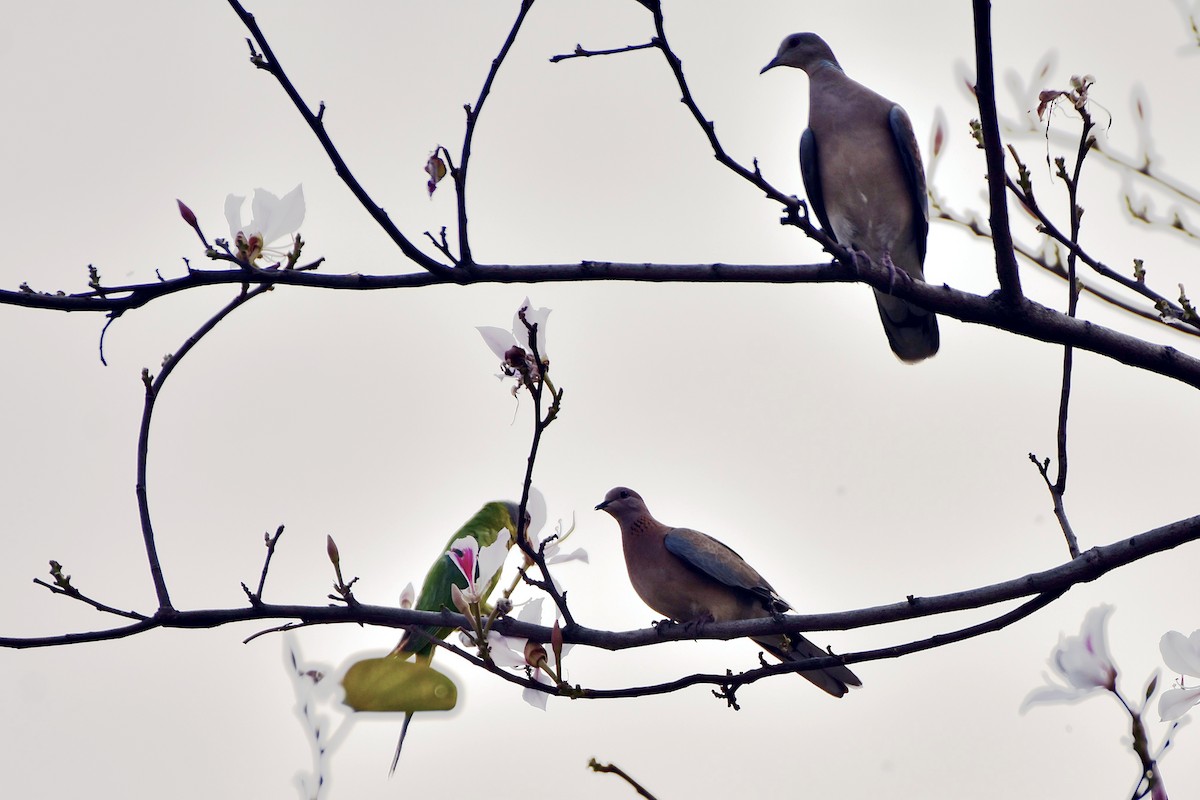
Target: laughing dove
[[691, 577], [863, 175]]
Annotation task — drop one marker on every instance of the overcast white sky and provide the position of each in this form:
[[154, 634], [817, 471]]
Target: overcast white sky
[[772, 417]]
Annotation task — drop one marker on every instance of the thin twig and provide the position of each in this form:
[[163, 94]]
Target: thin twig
[[1056, 497], [1141, 747], [270, 542], [1168, 317], [96, 604], [596, 766], [536, 387], [579, 52], [985, 90], [442, 245], [269, 62], [460, 174], [154, 387], [1166, 307], [1059, 489]]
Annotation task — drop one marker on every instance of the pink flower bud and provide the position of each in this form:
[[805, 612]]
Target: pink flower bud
[[556, 642], [332, 549], [188, 215]]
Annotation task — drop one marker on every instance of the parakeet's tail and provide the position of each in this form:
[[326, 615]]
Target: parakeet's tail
[[400, 744], [911, 331], [835, 680]]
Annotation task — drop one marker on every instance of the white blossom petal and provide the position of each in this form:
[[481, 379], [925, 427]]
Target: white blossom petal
[[531, 612], [498, 339], [491, 558], [1082, 662], [262, 206], [535, 507], [408, 596], [233, 214], [1174, 703], [276, 217], [1052, 694], [506, 651], [1181, 653], [533, 696], [534, 316], [271, 217], [290, 214]]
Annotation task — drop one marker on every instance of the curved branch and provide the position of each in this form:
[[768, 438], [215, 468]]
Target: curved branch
[[269, 62], [1089, 566], [153, 388]]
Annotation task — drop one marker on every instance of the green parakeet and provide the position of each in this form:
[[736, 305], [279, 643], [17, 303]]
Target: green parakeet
[[493, 531]]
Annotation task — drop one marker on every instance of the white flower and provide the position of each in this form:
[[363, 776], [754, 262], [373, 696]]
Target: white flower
[[1181, 655], [552, 551], [513, 348], [1082, 662], [273, 219], [511, 651], [491, 559], [535, 506]]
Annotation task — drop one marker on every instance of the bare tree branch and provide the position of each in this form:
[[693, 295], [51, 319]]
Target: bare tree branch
[[596, 766], [154, 387], [1089, 566], [985, 92], [1056, 269], [460, 174], [579, 52], [1028, 318], [270, 62]]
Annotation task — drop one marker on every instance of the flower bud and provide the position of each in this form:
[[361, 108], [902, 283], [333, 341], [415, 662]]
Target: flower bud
[[188, 215], [535, 655], [460, 602], [331, 549], [556, 642]]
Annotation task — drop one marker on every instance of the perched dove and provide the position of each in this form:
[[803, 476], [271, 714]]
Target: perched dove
[[863, 175], [691, 577]]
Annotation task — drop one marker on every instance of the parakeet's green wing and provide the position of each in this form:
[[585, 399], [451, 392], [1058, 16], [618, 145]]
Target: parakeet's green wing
[[484, 528]]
